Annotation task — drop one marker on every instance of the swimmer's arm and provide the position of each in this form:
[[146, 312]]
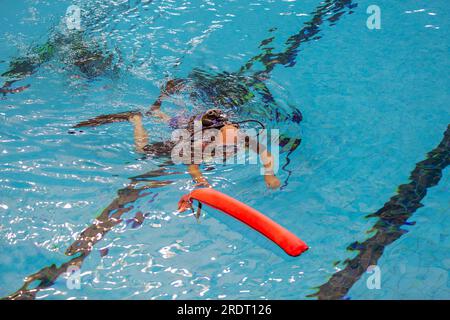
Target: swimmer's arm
[[268, 162], [197, 176], [140, 134], [170, 88]]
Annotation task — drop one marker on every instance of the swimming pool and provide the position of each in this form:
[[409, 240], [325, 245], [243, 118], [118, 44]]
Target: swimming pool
[[374, 103]]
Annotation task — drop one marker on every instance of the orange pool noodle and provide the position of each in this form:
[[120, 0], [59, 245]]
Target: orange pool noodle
[[285, 239]]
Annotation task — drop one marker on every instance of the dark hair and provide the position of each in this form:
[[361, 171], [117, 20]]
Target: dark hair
[[212, 118]]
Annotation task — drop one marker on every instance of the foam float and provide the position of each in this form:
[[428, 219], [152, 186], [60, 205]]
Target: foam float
[[285, 239]]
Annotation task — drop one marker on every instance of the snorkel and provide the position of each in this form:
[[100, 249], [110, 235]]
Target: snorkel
[[217, 119], [263, 127]]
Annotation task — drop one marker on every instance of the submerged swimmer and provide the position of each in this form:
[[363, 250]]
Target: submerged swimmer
[[227, 136], [225, 91], [229, 92], [71, 49]]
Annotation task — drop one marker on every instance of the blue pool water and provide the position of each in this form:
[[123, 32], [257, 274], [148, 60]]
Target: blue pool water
[[374, 103]]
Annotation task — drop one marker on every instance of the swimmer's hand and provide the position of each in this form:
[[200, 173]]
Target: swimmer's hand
[[272, 182], [203, 184]]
